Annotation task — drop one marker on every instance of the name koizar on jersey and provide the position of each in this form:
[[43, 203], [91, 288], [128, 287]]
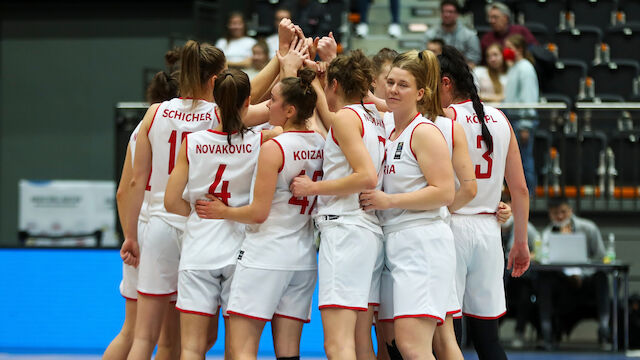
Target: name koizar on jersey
[[224, 149], [188, 117], [308, 154]]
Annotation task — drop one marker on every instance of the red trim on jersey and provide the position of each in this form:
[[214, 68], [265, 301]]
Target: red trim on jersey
[[220, 132], [186, 148], [455, 113], [247, 316], [374, 304], [394, 129], [361, 122], [453, 138], [128, 298], [335, 306], [147, 294], [480, 213], [438, 319], [484, 317], [194, 312], [282, 150], [462, 102], [333, 137], [368, 103], [173, 302], [411, 137], [306, 321], [385, 320], [457, 316], [215, 111], [153, 118], [261, 137], [453, 312]]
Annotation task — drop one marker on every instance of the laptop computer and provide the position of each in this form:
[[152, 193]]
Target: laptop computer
[[568, 248]]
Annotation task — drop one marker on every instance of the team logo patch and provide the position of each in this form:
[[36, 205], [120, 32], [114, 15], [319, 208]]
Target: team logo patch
[[240, 255], [398, 151]]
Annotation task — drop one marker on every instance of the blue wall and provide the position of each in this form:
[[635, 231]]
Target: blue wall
[[63, 301]]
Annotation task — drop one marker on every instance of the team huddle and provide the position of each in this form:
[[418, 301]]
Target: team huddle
[[381, 180]]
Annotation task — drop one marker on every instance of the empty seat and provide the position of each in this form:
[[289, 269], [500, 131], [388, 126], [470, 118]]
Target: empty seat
[[624, 41], [603, 119], [566, 78], [600, 13], [591, 144], [617, 77], [548, 12], [631, 9], [540, 31], [477, 9], [579, 42], [626, 151], [541, 156]]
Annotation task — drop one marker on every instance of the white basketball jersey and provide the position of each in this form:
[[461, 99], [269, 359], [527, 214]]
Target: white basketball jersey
[[402, 174], [144, 211], [446, 128], [336, 166], [389, 124], [225, 171], [285, 240], [173, 121], [489, 167]]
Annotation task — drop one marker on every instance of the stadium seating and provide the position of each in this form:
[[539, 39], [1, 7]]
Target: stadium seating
[[631, 9], [549, 13], [624, 41], [617, 77], [579, 42], [566, 78], [580, 170], [599, 13], [540, 31], [626, 150]]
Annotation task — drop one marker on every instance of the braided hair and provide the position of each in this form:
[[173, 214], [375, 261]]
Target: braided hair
[[454, 66]]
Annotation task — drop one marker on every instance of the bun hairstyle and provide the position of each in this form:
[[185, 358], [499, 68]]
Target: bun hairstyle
[[162, 87], [353, 72], [425, 69], [198, 63], [171, 59], [297, 91], [454, 66], [231, 90]]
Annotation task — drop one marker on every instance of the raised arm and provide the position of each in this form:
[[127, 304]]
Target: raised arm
[[173, 201], [463, 169], [347, 131], [432, 155], [514, 175], [269, 163]]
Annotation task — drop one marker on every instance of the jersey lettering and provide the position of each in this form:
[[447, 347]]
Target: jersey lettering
[[486, 156], [303, 201], [224, 194]]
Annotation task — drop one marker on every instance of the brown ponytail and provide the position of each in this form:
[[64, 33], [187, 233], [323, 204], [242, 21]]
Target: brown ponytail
[[297, 91], [199, 62], [353, 72], [162, 87], [232, 89], [425, 69]]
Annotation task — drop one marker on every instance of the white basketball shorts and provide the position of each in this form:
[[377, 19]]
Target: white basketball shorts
[[159, 259]]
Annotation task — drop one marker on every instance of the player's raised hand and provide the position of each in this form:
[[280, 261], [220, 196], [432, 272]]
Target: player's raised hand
[[327, 48], [286, 34]]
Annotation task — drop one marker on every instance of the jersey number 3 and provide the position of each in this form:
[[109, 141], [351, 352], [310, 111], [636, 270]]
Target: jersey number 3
[[303, 201], [486, 156]]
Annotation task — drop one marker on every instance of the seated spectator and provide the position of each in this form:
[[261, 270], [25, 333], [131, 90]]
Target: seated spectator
[[522, 87], [394, 30], [493, 77], [499, 17], [570, 293], [272, 40], [259, 59], [236, 45], [435, 45], [519, 291], [455, 34]]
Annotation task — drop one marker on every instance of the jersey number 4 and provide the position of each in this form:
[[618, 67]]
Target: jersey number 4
[[303, 201], [224, 193], [486, 156]]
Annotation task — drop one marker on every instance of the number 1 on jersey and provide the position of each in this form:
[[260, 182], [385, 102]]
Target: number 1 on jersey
[[173, 147], [303, 201]]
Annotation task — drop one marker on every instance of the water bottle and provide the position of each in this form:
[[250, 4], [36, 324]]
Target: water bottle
[[610, 254]]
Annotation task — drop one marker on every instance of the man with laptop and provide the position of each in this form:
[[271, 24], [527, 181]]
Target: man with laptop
[[568, 296]]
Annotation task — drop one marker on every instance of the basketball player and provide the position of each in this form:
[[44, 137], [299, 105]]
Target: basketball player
[[495, 156], [162, 87], [354, 150], [418, 183], [220, 162], [276, 271]]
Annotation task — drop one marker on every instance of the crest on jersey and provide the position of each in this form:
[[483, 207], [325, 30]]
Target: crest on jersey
[[398, 150]]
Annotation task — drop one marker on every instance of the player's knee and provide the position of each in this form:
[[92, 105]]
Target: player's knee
[[334, 346], [394, 352]]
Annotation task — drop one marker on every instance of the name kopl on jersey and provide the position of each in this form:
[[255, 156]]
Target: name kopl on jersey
[[188, 117], [308, 154], [474, 119], [223, 149]]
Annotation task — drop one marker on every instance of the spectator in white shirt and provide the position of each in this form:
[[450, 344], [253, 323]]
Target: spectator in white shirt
[[236, 45]]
